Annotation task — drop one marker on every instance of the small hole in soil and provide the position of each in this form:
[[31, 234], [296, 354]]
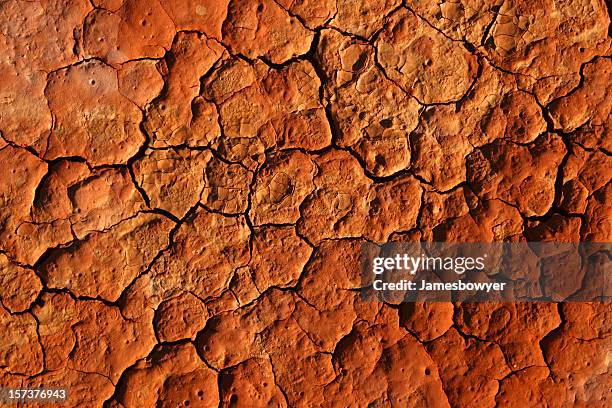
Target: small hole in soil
[[386, 123]]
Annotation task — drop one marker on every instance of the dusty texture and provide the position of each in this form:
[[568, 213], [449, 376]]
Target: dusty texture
[[185, 187]]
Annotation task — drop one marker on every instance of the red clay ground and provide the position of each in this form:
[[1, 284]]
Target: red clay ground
[[185, 186]]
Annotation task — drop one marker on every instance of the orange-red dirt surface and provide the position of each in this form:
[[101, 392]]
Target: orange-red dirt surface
[[185, 186]]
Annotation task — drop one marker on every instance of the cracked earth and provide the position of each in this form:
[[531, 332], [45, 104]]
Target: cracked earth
[[185, 186]]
